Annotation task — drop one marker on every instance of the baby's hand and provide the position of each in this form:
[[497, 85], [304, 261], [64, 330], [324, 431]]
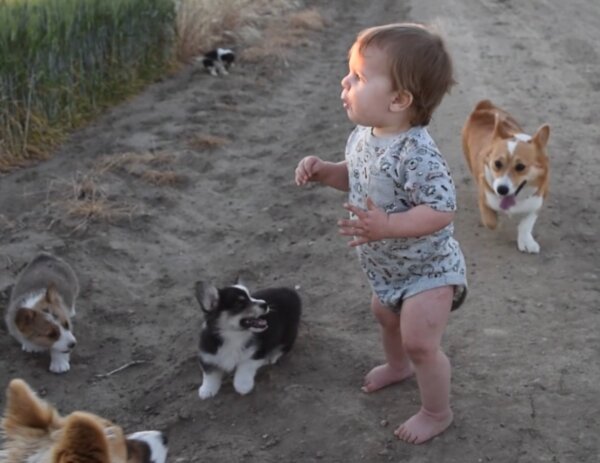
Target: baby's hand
[[307, 169], [370, 225]]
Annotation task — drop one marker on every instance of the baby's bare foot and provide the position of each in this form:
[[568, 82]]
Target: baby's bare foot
[[384, 375], [423, 426]]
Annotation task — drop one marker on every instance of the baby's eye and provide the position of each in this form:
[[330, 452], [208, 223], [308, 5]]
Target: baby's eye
[[520, 167]]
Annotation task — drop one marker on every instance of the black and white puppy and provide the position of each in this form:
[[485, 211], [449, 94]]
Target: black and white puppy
[[242, 332], [218, 61]]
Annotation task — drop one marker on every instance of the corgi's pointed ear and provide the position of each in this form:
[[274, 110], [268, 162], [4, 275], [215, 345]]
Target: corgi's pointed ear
[[207, 296], [82, 439], [541, 136], [24, 318], [25, 409], [51, 293], [240, 281], [499, 129]]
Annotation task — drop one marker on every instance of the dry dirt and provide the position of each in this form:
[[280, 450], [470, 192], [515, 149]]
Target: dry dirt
[[524, 347]]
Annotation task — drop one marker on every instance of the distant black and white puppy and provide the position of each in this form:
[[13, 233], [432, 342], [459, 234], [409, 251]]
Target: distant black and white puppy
[[218, 61], [242, 332]]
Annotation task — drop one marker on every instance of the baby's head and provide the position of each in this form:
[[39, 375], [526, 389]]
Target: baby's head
[[417, 64]]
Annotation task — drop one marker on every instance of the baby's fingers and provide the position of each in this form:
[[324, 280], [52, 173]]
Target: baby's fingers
[[348, 223], [357, 241], [301, 175], [361, 214]]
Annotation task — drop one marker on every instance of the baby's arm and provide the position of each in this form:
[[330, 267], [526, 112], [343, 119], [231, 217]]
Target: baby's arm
[[313, 169], [426, 180], [374, 224], [419, 221]]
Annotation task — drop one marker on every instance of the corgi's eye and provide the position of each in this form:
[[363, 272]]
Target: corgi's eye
[[53, 333], [498, 164], [65, 325], [46, 310], [520, 167]]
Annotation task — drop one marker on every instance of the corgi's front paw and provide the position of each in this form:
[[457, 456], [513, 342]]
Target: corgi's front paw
[[29, 347], [243, 383], [207, 391], [59, 363], [528, 244]]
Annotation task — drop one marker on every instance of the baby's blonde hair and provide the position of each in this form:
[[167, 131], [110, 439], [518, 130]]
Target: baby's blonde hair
[[419, 63]]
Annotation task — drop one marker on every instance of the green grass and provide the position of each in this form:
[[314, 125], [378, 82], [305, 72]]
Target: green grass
[[62, 61]]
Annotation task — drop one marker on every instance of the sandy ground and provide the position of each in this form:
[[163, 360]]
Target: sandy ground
[[524, 347]]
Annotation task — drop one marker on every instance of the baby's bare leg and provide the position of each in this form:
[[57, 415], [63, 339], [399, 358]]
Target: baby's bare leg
[[423, 321], [397, 367]]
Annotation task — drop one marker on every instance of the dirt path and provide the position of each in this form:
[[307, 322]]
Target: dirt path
[[524, 347]]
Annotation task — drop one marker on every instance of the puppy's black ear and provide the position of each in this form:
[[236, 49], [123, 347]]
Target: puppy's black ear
[[207, 296]]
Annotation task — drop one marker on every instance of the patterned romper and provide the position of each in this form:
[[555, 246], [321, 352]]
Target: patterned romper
[[399, 173]]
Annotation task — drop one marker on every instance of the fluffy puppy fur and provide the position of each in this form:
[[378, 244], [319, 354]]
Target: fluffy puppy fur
[[218, 61], [41, 305], [510, 167], [34, 432], [242, 332]]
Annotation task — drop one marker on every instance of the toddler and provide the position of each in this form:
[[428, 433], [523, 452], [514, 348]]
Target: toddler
[[401, 205]]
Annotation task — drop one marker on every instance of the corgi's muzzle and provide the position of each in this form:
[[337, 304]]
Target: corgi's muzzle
[[508, 200], [256, 322]]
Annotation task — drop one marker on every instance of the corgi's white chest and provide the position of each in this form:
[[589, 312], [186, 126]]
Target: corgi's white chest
[[235, 349]]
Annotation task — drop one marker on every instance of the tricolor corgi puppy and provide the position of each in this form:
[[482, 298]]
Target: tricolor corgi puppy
[[41, 305], [242, 332], [34, 432], [510, 167], [218, 61]]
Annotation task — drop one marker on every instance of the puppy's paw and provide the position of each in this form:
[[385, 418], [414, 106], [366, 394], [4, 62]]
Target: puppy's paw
[[60, 363], [243, 384], [207, 391], [528, 244], [28, 347]]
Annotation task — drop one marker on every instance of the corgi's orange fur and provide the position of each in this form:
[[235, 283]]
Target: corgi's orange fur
[[511, 168], [34, 432], [41, 307]]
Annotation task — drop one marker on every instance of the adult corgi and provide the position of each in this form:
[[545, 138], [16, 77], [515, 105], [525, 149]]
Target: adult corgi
[[511, 168]]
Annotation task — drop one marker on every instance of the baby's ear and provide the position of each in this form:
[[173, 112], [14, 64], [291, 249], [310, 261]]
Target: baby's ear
[[402, 101], [207, 296]]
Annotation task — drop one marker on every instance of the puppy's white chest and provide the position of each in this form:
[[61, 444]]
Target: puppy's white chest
[[233, 351]]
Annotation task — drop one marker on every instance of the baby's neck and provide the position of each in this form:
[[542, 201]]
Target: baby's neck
[[390, 131]]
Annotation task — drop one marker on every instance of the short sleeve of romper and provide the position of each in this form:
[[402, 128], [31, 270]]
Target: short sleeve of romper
[[426, 179]]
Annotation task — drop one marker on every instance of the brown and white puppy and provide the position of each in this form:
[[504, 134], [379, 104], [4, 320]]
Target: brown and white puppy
[[34, 432], [41, 305], [510, 167]]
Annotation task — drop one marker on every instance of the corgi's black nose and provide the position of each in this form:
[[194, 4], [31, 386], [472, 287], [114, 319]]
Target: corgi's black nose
[[502, 190], [165, 439], [263, 305], [71, 345]]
